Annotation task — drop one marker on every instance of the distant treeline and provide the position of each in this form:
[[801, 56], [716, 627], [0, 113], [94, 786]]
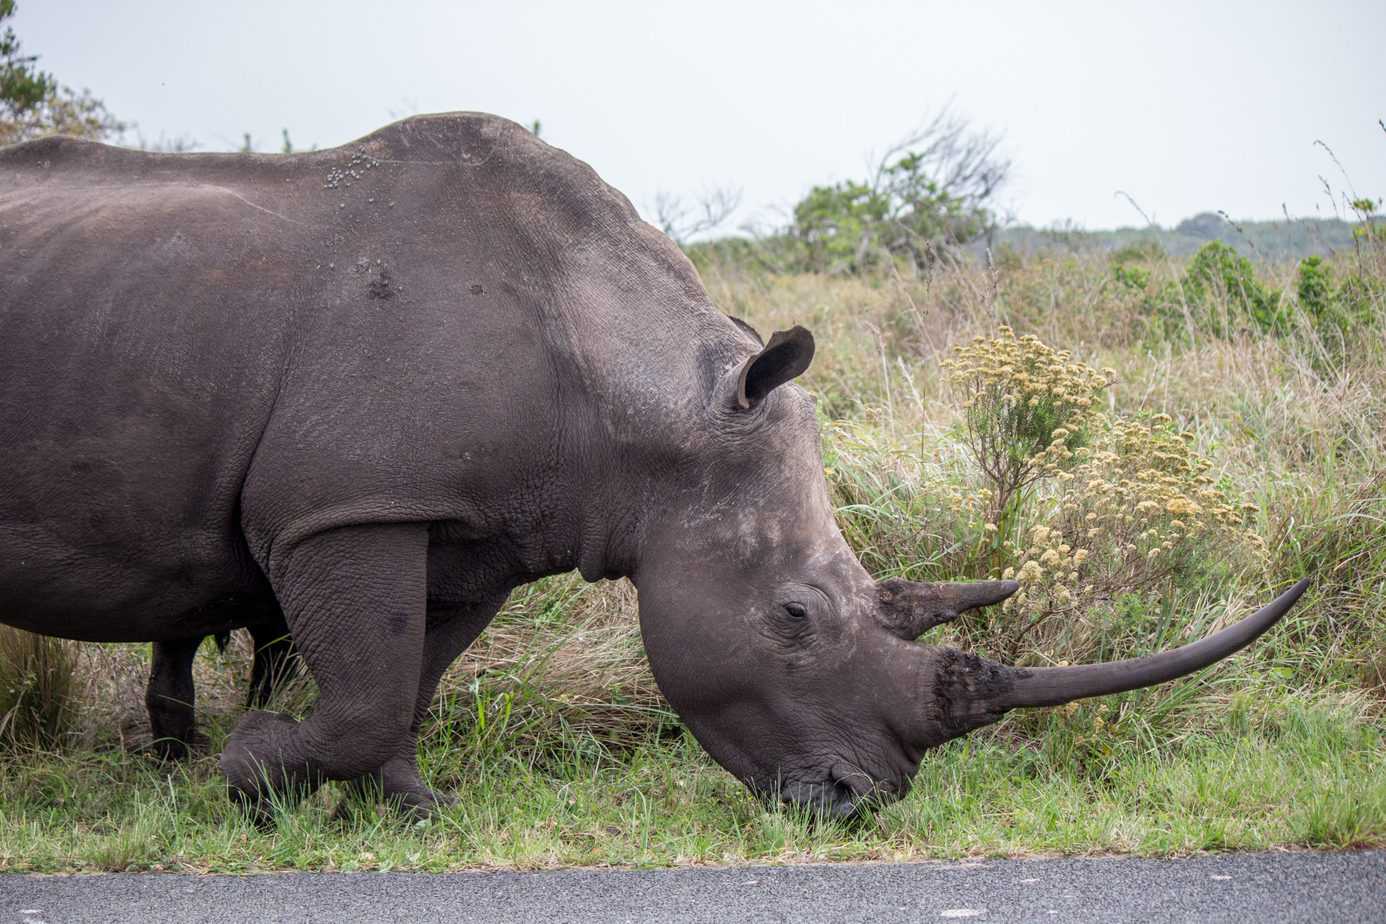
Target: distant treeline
[[1263, 241], [1291, 239]]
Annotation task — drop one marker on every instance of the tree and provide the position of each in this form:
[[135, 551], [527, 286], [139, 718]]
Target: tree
[[682, 220], [928, 193], [33, 103]]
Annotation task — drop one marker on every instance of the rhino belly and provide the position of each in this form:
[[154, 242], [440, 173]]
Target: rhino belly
[[140, 355], [94, 549]]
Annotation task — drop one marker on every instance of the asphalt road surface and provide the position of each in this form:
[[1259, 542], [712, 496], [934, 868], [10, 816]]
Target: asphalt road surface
[[1232, 887]]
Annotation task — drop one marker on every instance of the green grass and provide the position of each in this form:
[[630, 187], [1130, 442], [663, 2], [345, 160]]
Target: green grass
[[553, 736], [1307, 773]]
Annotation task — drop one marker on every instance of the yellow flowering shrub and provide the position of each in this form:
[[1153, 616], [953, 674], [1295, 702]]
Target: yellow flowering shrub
[[1136, 511], [1027, 407], [1091, 514]]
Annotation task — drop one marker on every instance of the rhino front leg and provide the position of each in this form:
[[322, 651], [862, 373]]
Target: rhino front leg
[[450, 631], [355, 601], [170, 696]]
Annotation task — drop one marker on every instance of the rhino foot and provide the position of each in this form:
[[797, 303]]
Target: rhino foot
[[396, 784], [169, 750], [261, 766]]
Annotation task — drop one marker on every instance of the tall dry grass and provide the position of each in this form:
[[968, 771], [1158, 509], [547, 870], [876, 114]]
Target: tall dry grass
[[39, 690]]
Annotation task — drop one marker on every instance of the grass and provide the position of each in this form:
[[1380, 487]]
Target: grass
[[1314, 774], [552, 734]]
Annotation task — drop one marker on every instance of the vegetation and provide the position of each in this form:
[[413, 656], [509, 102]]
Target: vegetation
[[37, 697], [928, 194], [1262, 240], [925, 199], [1165, 481]]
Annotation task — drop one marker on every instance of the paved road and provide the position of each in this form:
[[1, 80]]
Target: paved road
[[1233, 887]]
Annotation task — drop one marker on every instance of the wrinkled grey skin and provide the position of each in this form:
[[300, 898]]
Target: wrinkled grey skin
[[170, 696], [385, 384]]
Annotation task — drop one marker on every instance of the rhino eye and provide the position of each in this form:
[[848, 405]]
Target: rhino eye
[[796, 610]]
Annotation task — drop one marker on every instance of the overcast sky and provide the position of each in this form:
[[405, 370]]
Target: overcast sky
[[1186, 106]]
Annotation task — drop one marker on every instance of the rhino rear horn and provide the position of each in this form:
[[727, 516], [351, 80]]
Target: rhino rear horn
[[911, 608], [786, 356]]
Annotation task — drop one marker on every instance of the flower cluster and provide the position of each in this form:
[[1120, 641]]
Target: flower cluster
[[1027, 406], [1136, 509]]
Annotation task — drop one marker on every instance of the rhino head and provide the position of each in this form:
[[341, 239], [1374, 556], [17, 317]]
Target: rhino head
[[797, 671]]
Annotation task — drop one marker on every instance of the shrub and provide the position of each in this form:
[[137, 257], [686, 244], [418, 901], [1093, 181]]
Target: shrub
[[1138, 515], [1131, 275], [832, 223], [1338, 313], [930, 192], [33, 103], [1315, 288], [1121, 510], [1130, 263], [1220, 289], [1026, 407]]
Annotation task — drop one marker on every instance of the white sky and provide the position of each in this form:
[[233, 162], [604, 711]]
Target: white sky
[[1187, 106]]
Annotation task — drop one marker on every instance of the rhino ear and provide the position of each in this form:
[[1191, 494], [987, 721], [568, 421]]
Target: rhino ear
[[787, 355]]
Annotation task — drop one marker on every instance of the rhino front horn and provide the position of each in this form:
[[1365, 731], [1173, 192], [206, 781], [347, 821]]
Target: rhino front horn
[[1053, 686]]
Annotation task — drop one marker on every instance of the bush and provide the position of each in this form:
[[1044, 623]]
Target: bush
[[33, 103], [1026, 407], [1315, 288], [834, 226], [1121, 509], [1130, 264], [1136, 517], [1220, 289], [929, 192]]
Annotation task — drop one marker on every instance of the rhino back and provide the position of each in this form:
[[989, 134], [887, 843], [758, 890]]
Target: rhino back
[[204, 355]]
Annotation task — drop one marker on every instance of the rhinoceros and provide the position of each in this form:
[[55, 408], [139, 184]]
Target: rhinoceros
[[382, 385]]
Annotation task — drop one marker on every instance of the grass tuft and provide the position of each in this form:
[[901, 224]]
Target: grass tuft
[[38, 690]]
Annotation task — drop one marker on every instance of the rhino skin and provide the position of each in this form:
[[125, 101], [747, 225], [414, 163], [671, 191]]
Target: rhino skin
[[384, 384]]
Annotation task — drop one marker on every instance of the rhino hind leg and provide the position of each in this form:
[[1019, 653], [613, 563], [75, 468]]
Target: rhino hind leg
[[275, 662], [169, 698], [398, 781], [355, 600]]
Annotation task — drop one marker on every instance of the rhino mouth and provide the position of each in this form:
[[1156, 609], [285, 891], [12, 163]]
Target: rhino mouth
[[843, 794]]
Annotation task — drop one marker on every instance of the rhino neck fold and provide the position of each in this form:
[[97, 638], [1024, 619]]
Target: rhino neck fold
[[596, 523], [608, 538]]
